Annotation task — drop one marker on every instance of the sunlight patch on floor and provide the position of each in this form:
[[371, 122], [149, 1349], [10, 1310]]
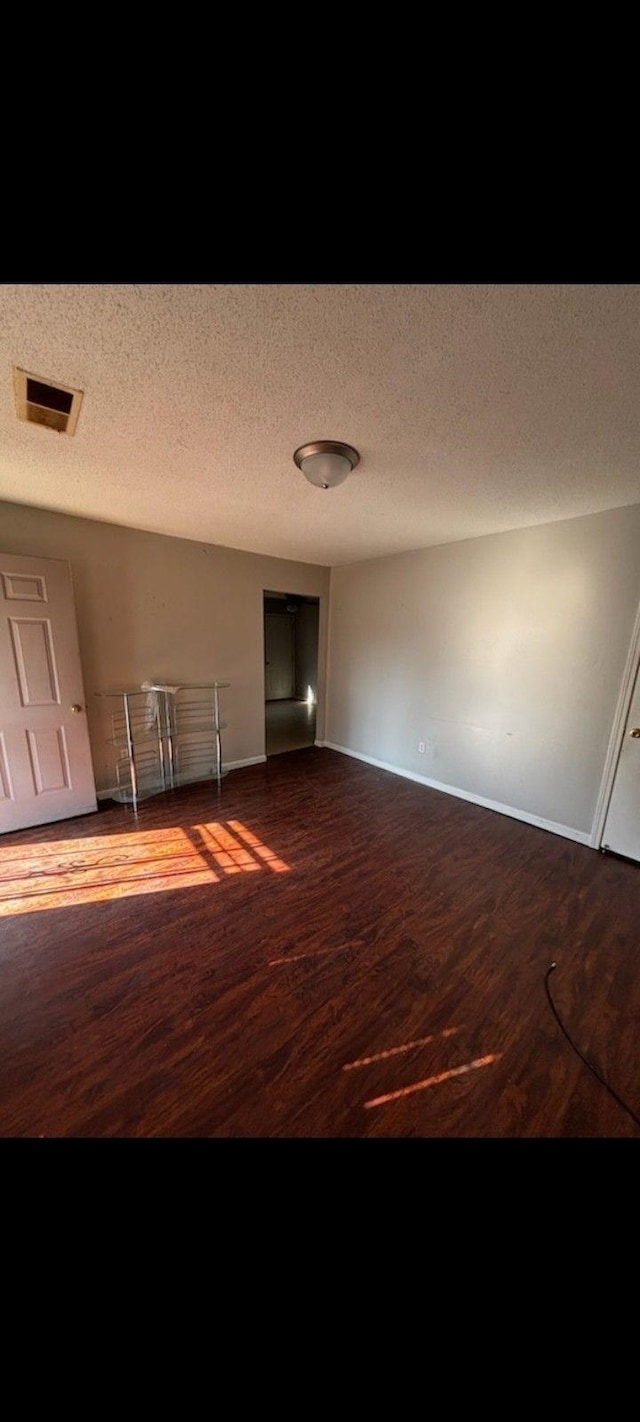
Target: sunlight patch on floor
[[315, 953], [406, 1047], [66, 872], [433, 1080], [272, 861]]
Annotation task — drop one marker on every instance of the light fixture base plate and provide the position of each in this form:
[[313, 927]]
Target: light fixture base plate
[[327, 446]]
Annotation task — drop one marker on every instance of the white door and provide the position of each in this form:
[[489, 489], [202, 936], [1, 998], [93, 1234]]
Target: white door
[[622, 825], [279, 656], [46, 772]]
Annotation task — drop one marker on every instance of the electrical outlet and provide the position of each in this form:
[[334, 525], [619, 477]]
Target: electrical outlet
[[421, 747]]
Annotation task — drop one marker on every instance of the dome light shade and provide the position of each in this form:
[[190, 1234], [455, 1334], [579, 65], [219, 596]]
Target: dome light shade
[[326, 462]]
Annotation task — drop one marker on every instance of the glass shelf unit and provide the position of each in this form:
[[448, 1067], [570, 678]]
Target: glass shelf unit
[[164, 736], [194, 729]]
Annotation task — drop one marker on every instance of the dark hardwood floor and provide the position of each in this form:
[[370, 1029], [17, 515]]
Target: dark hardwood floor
[[317, 949]]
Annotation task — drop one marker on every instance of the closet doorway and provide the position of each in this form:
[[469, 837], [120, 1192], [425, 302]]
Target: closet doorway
[[290, 670]]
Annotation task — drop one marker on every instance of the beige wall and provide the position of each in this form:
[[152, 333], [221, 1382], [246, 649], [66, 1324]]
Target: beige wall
[[152, 607], [504, 654]]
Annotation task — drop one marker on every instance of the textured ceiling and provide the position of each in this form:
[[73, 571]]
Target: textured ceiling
[[475, 409]]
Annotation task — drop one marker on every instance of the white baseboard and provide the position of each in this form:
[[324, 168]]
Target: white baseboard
[[238, 764], [580, 836]]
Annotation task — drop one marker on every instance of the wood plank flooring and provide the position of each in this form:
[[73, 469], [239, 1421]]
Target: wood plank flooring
[[318, 949]]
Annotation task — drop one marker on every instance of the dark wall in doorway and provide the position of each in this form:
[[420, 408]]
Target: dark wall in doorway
[[305, 613]]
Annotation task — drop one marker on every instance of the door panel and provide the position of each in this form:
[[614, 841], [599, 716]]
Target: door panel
[[35, 661], [279, 656], [46, 771], [622, 825]]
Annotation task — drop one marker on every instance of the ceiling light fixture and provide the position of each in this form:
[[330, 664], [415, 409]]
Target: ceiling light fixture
[[326, 462]]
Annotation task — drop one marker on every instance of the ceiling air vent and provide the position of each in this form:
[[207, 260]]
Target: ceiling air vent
[[57, 407]]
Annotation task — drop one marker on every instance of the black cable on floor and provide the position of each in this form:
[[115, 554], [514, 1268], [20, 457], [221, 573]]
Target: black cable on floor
[[584, 1059]]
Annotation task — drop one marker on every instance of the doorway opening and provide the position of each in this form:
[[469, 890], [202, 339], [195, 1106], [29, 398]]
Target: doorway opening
[[290, 670]]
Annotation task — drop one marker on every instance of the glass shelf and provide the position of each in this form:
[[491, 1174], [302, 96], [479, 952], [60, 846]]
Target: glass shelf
[[165, 735], [121, 742]]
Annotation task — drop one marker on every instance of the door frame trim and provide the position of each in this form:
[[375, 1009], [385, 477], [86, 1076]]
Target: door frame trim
[[292, 626], [627, 685]]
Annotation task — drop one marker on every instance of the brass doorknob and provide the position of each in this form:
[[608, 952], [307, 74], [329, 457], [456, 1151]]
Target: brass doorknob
[[636, 733], [77, 708]]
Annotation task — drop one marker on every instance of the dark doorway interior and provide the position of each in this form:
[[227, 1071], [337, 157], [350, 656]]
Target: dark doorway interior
[[290, 670]]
